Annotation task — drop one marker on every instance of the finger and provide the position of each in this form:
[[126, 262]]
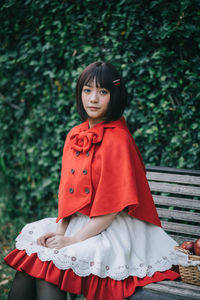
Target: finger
[[48, 235], [50, 245], [51, 239], [41, 241], [50, 242]]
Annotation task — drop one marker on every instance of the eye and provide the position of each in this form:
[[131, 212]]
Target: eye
[[86, 90], [104, 92]]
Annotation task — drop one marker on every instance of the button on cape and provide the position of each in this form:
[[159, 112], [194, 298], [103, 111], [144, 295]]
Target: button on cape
[[109, 150]]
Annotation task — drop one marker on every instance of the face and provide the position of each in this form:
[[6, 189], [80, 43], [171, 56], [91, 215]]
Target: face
[[95, 102]]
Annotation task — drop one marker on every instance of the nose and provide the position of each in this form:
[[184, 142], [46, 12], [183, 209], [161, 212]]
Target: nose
[[94, 96]]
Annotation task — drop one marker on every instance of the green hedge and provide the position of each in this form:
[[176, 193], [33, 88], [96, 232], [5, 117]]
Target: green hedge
[[44, 46]]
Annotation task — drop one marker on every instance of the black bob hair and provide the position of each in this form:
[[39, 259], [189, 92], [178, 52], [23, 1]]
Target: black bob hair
[[104, 73]]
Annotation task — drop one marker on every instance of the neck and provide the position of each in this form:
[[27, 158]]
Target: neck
[[93, 122]]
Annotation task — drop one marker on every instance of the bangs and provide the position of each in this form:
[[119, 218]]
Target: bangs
[[101, 76]]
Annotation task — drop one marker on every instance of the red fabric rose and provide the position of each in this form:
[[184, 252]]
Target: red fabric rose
[[82, 141]]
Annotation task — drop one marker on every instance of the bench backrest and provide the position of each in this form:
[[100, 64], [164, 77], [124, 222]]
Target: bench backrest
[[176, 193]]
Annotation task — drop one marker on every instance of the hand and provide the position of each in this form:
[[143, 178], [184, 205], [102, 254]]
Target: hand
[[42, 240], [58, 241]]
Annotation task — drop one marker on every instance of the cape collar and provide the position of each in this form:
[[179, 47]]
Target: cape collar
[[84, 137]]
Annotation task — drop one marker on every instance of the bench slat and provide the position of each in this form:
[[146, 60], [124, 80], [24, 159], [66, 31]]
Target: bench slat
[[181, 284], [181, 228], [180, 238], [194, 180], [179, 290], [178, 202], [179, 215], [173, 170], [174, 188]]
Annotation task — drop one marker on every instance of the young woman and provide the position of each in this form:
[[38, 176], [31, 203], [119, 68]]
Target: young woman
[[107, 238]]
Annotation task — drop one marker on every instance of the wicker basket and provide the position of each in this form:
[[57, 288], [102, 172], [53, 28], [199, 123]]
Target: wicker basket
[[190, 274]]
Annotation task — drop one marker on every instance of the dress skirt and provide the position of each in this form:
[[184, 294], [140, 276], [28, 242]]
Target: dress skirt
[[110, 265]]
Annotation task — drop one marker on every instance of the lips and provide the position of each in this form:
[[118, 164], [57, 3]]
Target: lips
[[93, 107]]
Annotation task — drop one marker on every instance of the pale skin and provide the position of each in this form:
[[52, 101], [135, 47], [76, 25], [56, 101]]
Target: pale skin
[[57, 239], [95, 102]]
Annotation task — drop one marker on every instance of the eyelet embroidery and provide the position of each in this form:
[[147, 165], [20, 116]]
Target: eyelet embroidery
[[73, 258], [84, 268], [63, 260]]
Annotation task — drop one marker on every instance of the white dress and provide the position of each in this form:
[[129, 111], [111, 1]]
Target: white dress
[[127, 247]]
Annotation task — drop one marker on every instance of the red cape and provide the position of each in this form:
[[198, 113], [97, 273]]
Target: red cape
[[102, 170]]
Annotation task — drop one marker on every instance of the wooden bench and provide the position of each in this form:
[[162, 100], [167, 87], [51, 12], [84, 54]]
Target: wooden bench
[[176, 193]]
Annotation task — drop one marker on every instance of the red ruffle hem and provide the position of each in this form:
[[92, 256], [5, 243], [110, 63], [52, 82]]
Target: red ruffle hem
[[92, 286]]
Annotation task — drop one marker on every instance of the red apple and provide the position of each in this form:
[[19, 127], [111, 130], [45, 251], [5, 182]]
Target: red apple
[[197, 247], [188, 246]]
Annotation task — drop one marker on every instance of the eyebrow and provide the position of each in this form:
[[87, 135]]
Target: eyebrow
[[88, 84], [91, 86]]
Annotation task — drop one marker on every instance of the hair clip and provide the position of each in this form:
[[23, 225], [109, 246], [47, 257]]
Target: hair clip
[[116, 82]]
